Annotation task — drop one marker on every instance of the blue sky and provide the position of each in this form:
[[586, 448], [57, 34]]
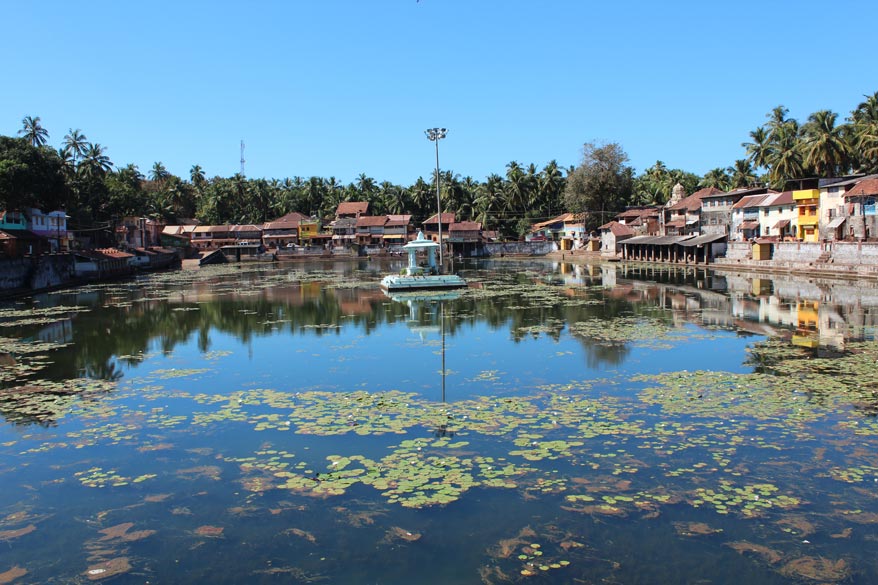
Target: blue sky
[[339, 88]]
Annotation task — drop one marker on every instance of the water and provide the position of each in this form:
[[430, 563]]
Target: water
[[551, 424]]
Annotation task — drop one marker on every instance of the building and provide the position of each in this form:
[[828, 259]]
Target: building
[[102, 263], [807, 217], [684, 216], [716, 210], [745, 218], [431, 226], [344, 232], [283, 231], [16, 240], [252, 234], [612, 235], [860, 202], [397, 230], [778, 216], [833, 210], [52, 226], [643, 219], [465, 237], [551, 230], [574, 235], [138, 232], [310, 233], [352, 209], [370, 230]]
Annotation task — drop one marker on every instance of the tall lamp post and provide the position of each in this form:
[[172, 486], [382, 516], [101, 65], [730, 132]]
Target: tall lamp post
[[435, 135]]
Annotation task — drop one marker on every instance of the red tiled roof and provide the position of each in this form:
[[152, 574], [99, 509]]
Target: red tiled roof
[[465, 226], [286, 222], [676, 223], [865, 187], [693, 202], [447, 218], [352, 208], [560, 219], [371, 220], [210, 229], [778, 199], [750, 201], [617, 229], [245, 228]]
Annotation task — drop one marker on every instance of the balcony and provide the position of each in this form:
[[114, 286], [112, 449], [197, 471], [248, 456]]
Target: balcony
[[805, 194]]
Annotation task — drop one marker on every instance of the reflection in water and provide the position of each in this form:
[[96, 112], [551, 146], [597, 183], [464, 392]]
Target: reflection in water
[[130, 321], [419, 307], [277, 424]]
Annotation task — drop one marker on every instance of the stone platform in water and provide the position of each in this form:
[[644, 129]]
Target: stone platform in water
[[396, 282]]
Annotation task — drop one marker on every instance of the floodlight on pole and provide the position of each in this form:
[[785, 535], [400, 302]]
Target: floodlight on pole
[[435, 135]]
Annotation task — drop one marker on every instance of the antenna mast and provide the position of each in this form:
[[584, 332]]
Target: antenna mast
[[242, 158]]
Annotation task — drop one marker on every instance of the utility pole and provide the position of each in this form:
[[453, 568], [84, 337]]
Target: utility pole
[[242, 159]]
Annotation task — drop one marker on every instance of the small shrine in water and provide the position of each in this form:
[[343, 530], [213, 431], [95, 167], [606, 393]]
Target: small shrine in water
[[417, 277]]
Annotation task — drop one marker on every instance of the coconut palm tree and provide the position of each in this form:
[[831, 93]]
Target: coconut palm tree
[[75, 143], [786, 160], [718, 178], [95, 163], [196, 176], [824, 147], [516, 187], [33, 131], [423, 198], [741, 174], [489, 201], [777, 118], [550, 187], [159, 173], [864, 134], [759, 147]]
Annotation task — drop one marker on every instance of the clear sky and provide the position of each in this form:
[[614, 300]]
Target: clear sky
[[338, 88]]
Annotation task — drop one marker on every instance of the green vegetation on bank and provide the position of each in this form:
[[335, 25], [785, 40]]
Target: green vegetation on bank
[[81, 178]]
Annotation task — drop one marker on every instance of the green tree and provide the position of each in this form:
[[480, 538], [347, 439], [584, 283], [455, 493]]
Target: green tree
[[33, 131], [30, 176], [196, 176], [550, 188], [159, 173], [125, 192], [741, 174], [759, 148], [785, 161], [864, 134], [75, 143], [601, 185], [718, 178], [96, 163], [826, 151]]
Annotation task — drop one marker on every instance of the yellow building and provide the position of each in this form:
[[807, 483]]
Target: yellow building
[[308, 228], [808, 202]]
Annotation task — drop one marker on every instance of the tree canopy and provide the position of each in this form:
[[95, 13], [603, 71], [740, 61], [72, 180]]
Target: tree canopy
[[81, 177], [601, 185], [30, 176]]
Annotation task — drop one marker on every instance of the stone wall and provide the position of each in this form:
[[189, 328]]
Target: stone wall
[[14, 273], [797, 251], [854, 253], [738, 251], [34, 273], [518, 248]]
